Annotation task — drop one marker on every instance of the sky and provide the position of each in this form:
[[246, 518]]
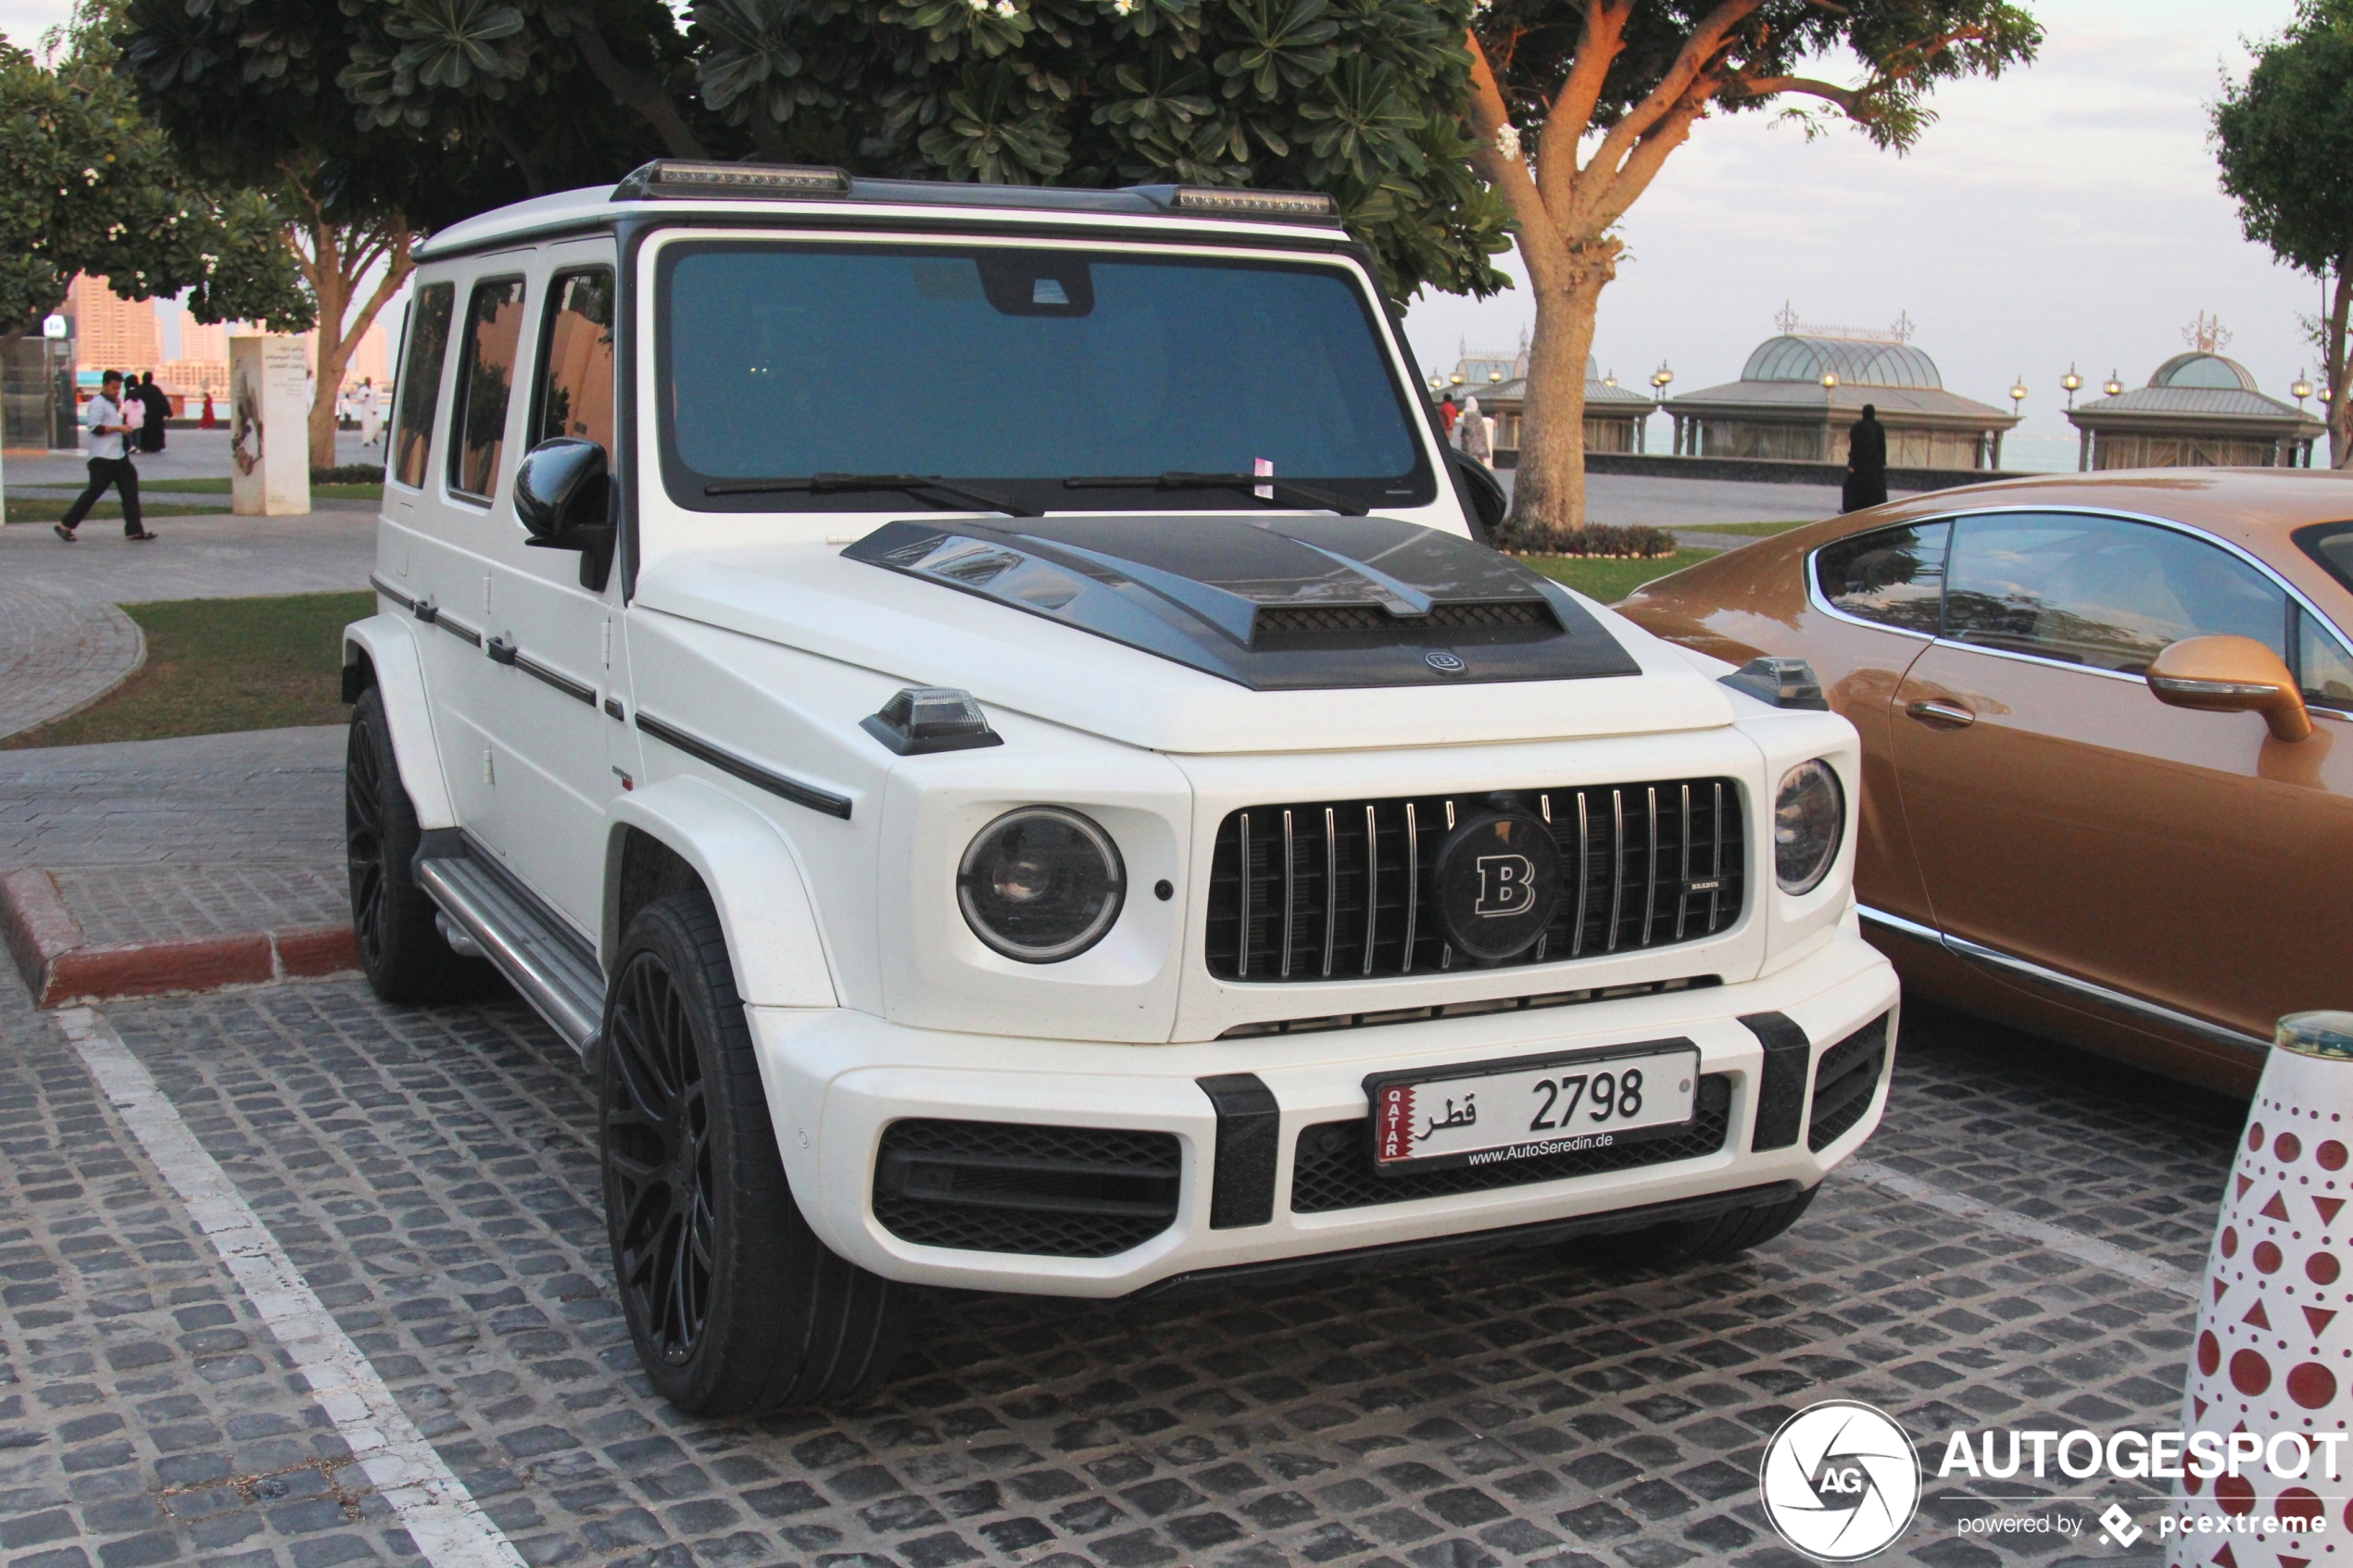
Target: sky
[[2065, 214]]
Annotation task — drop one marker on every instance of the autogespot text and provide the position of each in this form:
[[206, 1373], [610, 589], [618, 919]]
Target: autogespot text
[[2135, 1456]]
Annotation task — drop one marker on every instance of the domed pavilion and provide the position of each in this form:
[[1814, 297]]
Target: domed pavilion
[[1615, 418], [2199, 410], [1801, 393]]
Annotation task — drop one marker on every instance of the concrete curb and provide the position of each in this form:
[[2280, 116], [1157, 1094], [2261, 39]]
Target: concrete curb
[[60, 966]]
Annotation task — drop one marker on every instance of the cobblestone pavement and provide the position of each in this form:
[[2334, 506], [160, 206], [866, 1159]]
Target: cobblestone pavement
[[433, 1175], [60, 654]]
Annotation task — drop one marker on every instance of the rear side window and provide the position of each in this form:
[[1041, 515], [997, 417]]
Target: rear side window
[[2106, 593], [2329, 544], [485, 379], [2322, 667], [576, 376], [1894, 576], [421, 382]]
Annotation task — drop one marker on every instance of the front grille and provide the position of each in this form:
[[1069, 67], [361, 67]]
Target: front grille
[[1279, 620], [1845, 1081], [1468, 1009], [1006, 1187], [1333, 1168], [1344, 890]]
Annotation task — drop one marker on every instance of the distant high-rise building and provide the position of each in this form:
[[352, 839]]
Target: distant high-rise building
[[111, 332]]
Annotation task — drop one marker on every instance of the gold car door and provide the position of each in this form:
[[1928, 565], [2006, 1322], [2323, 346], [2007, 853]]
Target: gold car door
[[2062, 815]]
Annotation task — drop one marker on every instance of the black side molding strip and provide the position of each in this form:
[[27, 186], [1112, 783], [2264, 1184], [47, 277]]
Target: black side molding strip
[[395, 595], [752, 773], [1781, 1096], [455, 628], [1250, 1138], [562, 682]]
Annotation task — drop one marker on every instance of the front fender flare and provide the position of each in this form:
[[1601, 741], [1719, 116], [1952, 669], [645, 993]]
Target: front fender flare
[[754, 880], [390, 648]]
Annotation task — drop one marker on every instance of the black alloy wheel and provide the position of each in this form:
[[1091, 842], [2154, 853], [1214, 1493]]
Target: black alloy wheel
[[733, 1303], [401, 948], [658, 1161]]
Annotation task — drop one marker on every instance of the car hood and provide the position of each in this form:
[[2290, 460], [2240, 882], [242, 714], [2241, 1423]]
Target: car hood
[[1175, 648], [1287, 604]]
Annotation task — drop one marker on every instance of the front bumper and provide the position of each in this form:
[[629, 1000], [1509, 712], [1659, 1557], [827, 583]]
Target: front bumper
[[835, 1079]]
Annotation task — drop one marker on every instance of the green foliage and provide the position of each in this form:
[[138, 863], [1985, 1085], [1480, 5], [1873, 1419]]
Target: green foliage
[[2284, 139], [94, 186], [444, 108], [1904, 47]]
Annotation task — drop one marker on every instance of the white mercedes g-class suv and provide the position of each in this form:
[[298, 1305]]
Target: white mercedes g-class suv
[[985, 715]]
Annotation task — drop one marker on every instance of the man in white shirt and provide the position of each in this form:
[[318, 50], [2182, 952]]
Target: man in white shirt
[[110, 463]]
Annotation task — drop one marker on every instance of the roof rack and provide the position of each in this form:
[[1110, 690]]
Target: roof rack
[[677, 178]]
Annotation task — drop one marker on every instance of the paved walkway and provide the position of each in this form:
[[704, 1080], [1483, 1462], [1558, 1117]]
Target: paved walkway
[[59, 655], [203, 835]]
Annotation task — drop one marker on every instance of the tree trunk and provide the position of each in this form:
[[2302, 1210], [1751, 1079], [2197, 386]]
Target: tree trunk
[[334, 348], [1548, 488], [2340, 410]]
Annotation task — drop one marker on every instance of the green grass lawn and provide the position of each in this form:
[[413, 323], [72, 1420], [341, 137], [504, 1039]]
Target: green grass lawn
[[217, 665], [1610, 581], [1747, 530]]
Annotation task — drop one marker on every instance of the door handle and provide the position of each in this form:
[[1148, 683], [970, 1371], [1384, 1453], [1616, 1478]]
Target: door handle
[[1935, 711]]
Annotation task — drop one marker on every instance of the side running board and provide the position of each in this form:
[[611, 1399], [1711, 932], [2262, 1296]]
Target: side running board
[[556, 971]]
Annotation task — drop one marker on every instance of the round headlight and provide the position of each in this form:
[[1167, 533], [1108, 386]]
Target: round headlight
[[1041, 884], [1809, 817]]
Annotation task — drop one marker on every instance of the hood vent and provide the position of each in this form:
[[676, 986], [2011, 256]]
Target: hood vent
[[1283, 603]]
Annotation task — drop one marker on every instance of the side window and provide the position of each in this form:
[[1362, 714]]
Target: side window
[[2330, 545], [1894, 576], [420, 381], [575, 358], [2322, 661], [485, 377], [2102, 592]]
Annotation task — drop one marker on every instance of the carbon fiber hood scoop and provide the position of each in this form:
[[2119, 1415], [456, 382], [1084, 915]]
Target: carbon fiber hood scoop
[[1288, 603]]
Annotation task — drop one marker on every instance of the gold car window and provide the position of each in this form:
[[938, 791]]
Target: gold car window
[[1894, 576], [2103, 592], [2322, 662]]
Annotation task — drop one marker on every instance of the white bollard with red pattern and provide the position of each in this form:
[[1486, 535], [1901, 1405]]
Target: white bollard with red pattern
[[2273, 1358]]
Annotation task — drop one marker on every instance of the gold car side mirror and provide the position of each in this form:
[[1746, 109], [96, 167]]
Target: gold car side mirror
[[2231, 675]]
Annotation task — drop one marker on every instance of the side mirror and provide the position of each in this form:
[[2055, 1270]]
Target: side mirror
[[1482, 493], [2231, 675], [560, 486], [563, 499]]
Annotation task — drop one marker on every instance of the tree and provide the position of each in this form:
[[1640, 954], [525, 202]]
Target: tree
[[1360, 99], [1634, 78], [94, 187], [253, 91], [2284, 139]]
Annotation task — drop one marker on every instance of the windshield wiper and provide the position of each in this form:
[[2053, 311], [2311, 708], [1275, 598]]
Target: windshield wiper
[[854, 483], [1249, 483]]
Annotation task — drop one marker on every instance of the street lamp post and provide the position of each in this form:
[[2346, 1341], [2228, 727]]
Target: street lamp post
[[2114, 388], [2017, 395], [2073, 383], [2302, 390], [1659, 378]]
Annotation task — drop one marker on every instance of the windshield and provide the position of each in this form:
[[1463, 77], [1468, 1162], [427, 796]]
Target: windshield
[[1022, 369]]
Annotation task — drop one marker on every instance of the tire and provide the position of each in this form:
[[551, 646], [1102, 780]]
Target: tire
[[1709, 1240], [401, 948], [733, 1304]]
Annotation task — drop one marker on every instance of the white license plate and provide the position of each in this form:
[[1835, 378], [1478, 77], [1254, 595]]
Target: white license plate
[[1494, 1112]]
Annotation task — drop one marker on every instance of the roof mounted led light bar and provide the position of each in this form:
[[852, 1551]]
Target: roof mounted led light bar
[[1253, 204], [678, 177]]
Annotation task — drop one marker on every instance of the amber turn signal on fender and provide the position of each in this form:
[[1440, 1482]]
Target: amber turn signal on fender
[[2231, 675]]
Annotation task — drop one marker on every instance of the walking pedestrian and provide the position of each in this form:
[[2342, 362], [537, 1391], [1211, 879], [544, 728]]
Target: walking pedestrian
[[156, 405], [1476, 441], [109, 462], [1865, 463], [210, 421], [371, 413], [1448, 413]]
